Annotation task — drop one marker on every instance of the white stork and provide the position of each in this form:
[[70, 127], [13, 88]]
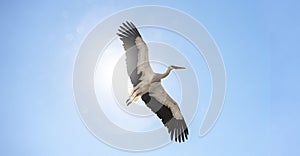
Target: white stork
[[146, 83]]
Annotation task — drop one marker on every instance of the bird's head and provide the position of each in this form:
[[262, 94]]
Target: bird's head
[[176, 67]]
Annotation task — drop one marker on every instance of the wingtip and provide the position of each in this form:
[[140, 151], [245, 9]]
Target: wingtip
[[128, 29], [179, 135], [128, 23]]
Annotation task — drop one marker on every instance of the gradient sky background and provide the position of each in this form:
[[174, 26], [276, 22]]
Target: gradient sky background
[[258, 40]]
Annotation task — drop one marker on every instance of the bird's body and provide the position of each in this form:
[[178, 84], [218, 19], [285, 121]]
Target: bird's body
[[147, 84]]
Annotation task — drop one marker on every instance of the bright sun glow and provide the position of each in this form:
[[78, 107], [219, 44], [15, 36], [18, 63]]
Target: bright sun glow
[[113, 108]]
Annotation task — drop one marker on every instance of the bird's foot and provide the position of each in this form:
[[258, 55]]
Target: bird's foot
[[129, 101]]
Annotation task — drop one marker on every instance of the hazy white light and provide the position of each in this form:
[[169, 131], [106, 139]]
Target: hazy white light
[[105, 94]]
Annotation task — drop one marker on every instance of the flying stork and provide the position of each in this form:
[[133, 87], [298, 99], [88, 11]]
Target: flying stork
[[147, 84]]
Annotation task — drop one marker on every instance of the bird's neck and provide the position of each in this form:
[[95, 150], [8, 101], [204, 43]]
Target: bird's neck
[[161, 76]]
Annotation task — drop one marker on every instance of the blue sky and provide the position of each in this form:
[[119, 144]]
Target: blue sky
[[257, 39]]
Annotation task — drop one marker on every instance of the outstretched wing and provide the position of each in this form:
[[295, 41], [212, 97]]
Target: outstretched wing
[[138, 67], [158, 100]]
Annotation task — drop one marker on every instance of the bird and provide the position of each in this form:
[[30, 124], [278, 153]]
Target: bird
[[147, 84]]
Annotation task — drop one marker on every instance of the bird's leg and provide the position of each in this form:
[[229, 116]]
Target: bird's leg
[[134, 97], [131, 94], [130, 99], [136, 94]]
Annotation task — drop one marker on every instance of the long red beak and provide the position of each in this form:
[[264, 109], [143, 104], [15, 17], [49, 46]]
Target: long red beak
[[178, 67]]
